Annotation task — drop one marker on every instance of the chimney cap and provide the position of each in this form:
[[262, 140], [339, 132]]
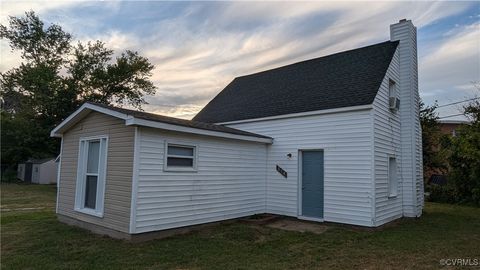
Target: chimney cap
[[402, 20]]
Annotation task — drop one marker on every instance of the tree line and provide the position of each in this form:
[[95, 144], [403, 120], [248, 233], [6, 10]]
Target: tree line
[[58, 74]]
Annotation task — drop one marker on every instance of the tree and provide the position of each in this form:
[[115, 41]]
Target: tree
[[434, 158], [55, 78], [472, 109], [465, 156]]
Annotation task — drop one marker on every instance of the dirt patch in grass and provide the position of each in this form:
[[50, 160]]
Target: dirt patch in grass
[[298, 225], [260, 219]]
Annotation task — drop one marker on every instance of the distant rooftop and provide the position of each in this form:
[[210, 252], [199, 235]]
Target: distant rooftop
[[454, 121]]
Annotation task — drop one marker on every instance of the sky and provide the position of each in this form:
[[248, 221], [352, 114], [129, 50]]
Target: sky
[[199, 47]]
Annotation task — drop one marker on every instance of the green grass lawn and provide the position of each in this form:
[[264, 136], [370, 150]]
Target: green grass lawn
[[32, 238]]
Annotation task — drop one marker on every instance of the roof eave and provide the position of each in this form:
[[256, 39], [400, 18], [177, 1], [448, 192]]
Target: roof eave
[[153, 124], [302, 114], [86, 108]]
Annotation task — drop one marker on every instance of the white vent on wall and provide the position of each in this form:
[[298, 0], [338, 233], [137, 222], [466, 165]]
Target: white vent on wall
[[394, 104]]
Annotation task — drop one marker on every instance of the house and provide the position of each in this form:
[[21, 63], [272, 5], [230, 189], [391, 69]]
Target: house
[[336, 138], [450, 127], [38, 171], [438, 175]]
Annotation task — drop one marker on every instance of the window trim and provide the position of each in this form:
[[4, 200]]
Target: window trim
[[167, 168], [389, 183], [82, 173]]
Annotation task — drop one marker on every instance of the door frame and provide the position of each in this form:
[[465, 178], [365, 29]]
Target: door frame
[[28, 172], [36, 174], [300, 181]]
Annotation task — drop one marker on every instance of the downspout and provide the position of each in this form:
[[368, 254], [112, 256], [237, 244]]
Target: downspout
[[58, 174], [372, 169]]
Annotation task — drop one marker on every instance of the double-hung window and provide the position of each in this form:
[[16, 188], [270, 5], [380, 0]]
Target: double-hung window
[[179, 157], [91, 174]]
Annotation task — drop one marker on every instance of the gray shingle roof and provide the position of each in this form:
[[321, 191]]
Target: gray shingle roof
[[179, 122], [344, 79]]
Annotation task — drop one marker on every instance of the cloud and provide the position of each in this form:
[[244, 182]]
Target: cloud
[[9, 59], [224, 46], [450, 68], [18, 8], [198, 48]]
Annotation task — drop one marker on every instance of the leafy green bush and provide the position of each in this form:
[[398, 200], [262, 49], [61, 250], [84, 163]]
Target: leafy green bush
[[458, 155], [444, 194], [463, 155], [465, 164]]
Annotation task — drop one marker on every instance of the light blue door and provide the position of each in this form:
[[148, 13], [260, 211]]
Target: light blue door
[[312, 184]]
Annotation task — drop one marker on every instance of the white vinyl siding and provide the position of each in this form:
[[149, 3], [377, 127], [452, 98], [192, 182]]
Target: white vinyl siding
[[419, 181], [386, 144], [411, 135], [346, 139], [229, 181]]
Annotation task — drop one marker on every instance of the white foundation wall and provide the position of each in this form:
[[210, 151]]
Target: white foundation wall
[[346, 139], [229, 183]]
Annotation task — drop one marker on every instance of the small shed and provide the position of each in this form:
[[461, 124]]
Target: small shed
[[38, 171]]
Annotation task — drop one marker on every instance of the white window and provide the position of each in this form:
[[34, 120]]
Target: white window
[[91, 174], [392, 177], [392, 89], [179, 157]]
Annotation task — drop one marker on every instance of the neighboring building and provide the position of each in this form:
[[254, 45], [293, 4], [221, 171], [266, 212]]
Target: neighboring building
[[38, 171], [450, 127], [438, 176], [317, 140]]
